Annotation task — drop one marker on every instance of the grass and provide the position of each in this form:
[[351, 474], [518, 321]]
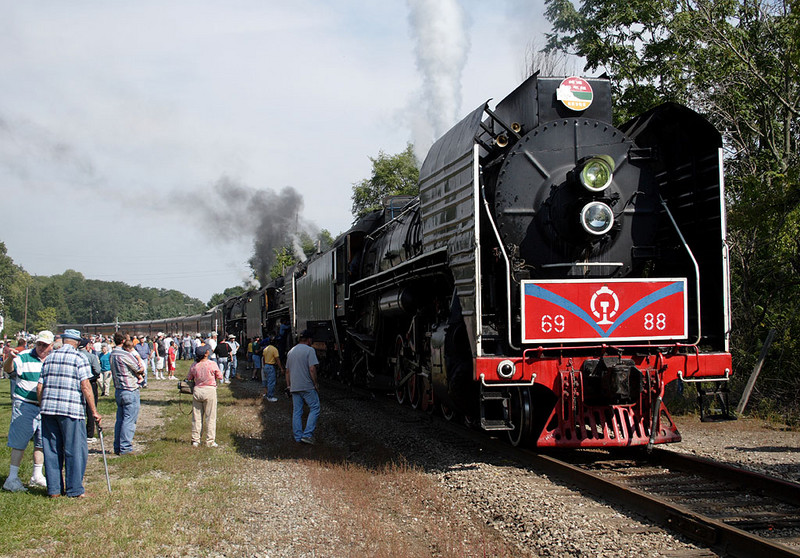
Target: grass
[[175, 500]]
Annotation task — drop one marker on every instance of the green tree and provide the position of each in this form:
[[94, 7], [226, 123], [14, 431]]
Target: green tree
[[737, 62], [46, 318], [284, 259], [391, 175]]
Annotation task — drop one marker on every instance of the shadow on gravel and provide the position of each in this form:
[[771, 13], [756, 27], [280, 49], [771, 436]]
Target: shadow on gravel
[[355, 429]]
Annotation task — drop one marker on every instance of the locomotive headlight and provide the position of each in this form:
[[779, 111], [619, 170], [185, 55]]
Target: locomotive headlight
[[597, 218], [505, 369], [596, 173]]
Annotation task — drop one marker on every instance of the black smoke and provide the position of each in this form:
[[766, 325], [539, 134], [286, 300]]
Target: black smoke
[[270, 219]]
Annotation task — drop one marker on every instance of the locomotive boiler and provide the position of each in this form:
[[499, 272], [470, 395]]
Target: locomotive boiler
[[554, 274]]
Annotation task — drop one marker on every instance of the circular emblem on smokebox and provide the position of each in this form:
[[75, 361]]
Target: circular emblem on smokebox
[[575, 93]]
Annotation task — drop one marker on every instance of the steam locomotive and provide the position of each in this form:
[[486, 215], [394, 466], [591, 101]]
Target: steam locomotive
[[554, 274]]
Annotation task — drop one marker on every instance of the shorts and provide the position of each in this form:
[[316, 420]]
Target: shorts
[[26, 423], [160, 363]]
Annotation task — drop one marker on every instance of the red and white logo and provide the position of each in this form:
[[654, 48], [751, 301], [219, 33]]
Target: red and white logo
[[575, 93]]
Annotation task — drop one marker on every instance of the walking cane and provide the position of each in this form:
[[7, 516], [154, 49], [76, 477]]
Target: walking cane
[[105, 463]]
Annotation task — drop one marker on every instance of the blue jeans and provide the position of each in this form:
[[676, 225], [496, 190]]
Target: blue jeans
[[224, 367], [65, 447], [234, 364], [311, 398], [268, 379], [127, 414]]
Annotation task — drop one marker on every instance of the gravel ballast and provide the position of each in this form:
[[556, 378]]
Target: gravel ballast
[[463, 501]]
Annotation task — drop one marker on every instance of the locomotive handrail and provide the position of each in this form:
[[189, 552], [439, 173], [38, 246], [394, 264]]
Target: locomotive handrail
[[694, 262], [505, 258], [724, 378], [507, 384], [405, 209]]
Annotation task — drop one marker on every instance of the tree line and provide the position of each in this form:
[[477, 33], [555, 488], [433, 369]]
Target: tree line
[[34, 303]]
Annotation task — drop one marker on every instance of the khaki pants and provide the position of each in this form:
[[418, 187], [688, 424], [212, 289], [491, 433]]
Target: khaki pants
[[204, 410]]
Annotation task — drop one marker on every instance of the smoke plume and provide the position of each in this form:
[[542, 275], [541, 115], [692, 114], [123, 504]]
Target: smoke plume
[[234, 211], [439, 29]]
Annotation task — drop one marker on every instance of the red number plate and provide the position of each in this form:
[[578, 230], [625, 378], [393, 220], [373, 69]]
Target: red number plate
[[612, 309]]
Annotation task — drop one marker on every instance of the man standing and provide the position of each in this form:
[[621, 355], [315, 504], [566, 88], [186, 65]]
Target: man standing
[[65, 376], [25, 418], [301, 379], [234, 363], [223, 353], [85, 347], [127, 372], [143, 348], [268, 372]]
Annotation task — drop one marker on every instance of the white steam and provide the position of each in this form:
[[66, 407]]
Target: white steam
[[439, 29]]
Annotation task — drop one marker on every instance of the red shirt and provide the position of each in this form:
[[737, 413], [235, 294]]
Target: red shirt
[[205, 373]]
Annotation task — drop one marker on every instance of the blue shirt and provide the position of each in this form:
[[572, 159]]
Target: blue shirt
[[105, 362], [62, 373]]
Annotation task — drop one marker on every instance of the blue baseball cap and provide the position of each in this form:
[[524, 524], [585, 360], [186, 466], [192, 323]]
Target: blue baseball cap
[[71, 334]]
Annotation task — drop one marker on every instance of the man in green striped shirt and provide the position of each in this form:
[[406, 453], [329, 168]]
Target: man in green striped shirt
[[25, 420]]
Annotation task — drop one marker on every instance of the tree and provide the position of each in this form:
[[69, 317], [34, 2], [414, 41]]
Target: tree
[[391, 175], [284, 259], [45, 319], [737, 62]]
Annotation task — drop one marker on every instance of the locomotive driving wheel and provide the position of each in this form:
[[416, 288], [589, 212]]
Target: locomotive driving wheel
[[400, 388], [520, 413]]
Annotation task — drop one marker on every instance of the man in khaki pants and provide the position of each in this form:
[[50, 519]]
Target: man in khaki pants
[[204, 373]]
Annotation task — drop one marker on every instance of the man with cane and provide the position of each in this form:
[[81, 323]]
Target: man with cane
[[64, 378]]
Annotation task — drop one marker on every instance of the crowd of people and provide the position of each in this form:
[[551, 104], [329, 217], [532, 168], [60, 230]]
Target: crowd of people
[[57, 380]]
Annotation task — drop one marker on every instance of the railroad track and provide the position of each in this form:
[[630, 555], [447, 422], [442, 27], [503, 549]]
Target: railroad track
[[731, 511]]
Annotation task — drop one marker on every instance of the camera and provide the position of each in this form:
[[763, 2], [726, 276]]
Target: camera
[[185, 386]]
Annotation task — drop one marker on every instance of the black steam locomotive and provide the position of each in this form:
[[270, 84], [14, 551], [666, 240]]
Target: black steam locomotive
[[554, 274]]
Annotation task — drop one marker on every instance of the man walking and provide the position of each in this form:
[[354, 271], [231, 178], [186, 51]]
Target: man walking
[[65, 377], [127, 372], [25, 418], [301, 379]]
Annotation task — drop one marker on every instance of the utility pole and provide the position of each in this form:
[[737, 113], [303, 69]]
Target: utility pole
[[25, 320]]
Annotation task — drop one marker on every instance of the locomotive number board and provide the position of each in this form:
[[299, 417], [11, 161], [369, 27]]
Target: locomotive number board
[[607, 309]]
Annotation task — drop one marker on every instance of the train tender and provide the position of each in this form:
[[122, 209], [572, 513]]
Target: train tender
[[554, 274]]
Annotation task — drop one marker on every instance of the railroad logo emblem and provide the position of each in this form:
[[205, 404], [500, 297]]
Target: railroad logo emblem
[[575, 93], [585, 310], [606, 297]]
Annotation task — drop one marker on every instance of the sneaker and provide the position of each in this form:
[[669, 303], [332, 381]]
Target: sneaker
[[272, 399], [308, 440], [212, 445], [195, 444], [91, 440], [38, 481], [14, 485]]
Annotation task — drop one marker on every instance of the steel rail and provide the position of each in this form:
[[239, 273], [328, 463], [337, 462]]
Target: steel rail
[[783, 490], [715, 534]]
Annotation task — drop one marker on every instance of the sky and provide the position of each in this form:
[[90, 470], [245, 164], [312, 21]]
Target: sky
[[153, 142]]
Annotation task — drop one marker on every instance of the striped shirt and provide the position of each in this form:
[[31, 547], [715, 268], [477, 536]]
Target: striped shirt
[[27, 368], [62, 373], [124, 367]]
